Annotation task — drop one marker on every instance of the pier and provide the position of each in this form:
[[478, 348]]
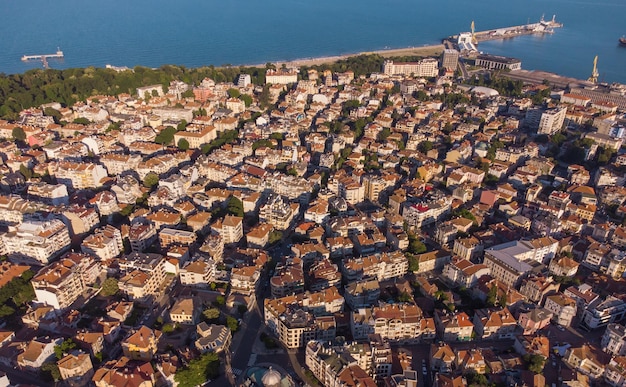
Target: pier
[[467, 41], [44, 58]]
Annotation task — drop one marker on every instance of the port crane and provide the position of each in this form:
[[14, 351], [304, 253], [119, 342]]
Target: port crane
[[594, 73], [474, 41]]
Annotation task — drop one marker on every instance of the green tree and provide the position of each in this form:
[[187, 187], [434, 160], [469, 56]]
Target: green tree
[[414, 263], [425, 146], [247, 100], [6, 310], [166, 136], [235, 207], [188, 94], [183, 144], [110, 287], [50, 371], [232, 324], [151, 180], [18, 134], [492, 296], [82, 121], [51, 112], [220, 301], [199, 371], [66, 346], [27, 173], [464, 213], [535, 363], [233, 93], [182, 125], [211, 314], [415, 245]]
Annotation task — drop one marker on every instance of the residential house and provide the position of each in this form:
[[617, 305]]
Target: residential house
[[141, 344]]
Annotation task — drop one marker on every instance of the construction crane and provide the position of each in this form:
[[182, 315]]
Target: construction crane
[[594, 73], [474, 41]]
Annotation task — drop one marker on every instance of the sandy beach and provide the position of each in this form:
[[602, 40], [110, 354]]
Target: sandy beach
[[432, 50]]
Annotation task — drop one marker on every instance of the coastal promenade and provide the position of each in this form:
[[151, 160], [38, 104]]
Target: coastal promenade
[[429, 50]]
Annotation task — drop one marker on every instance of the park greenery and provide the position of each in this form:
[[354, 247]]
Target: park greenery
[[16, 294], [199, 370]]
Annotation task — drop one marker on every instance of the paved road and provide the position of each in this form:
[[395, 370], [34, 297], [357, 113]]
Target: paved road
[[22, 377]]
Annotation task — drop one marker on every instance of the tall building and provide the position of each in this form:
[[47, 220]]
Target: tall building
[[450, 59], [61, 283], [546, 121]]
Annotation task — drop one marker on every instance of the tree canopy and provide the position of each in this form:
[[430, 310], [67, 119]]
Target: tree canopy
[[151, 180], [110, 287], [199, 371], [18, 134], [183, 144], [166, 136]]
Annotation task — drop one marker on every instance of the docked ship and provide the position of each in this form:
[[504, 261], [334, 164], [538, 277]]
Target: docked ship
[[622, 41]]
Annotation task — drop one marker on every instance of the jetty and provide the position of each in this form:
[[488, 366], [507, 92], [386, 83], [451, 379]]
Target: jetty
[[44, 58], [467, 41]]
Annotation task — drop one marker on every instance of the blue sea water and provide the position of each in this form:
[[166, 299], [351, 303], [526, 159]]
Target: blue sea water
[[204, 32]]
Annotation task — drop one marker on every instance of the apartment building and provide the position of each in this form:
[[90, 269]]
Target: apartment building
[[614, 340], [494, 324], [105, 243], [462, 272], [141, 236], [198, 273], [380, 266], [428, 67], [172, 236], [61, 283], [78, 175], [294, 326], [52, 194], [230, 228], [397, 323], [454, 326], [143, 275], [244, 280], [37, 240], [610, 310], [76, 369], [118, 163], [278, 212], [562, 307], [281, 76]]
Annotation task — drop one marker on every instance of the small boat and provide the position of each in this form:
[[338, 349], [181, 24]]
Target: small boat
[[622, 41]]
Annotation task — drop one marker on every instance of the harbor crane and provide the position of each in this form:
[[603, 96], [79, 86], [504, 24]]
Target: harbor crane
[[594, 73]]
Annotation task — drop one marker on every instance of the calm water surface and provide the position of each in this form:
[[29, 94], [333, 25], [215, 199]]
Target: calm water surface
[[196, 33]]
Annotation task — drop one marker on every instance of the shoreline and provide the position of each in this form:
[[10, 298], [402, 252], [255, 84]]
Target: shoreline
[[427, 50]]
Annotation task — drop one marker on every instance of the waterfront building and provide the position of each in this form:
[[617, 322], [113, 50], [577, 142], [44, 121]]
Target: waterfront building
[[281, 76], [424, 68], [450, 59], [495, 62]]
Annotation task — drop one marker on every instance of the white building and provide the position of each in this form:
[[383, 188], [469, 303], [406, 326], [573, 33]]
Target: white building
[[36, 240]]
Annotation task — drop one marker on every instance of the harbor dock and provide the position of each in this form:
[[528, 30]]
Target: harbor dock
[[43, 58], [467, 41]]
